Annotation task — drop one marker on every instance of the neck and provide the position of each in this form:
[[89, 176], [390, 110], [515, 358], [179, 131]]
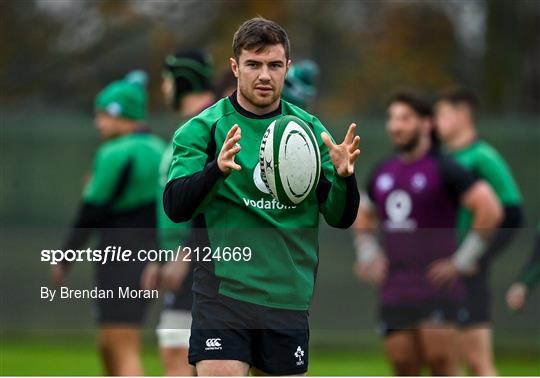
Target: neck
[[194, 103], [423, 146], [244, 103], [463, 139]]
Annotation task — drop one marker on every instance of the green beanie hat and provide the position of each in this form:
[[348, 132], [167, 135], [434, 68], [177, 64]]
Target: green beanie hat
[[125, 98], [300, 83]]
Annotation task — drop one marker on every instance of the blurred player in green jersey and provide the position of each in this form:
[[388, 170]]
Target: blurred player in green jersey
[[187, 88], [119, 206], [455, 121], [516, 297], [225, 84]]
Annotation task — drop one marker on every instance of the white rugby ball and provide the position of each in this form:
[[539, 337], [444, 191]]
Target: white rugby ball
[[290, 160]]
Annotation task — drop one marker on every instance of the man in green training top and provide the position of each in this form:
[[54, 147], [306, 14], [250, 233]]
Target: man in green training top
[[250, 310], [119, 204], [516, 297], [455, 122]]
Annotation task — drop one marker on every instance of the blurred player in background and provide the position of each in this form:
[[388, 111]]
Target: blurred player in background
[[251, 315], [516, 297], [225, 84], [300, 83], [413, 200], [187, 88], [119, 205], [455, 120]]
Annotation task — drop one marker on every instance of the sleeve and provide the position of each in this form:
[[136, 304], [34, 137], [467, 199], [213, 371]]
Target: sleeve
[[530, 275], [108, 182], [508, 229], [456, 178], [88, 217], [194, 176], [370, 183], [493, 169], [338, 197]]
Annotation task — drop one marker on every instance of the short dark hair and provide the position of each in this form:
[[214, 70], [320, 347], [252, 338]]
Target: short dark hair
[[460, 96], [258, 33], [419, 102]]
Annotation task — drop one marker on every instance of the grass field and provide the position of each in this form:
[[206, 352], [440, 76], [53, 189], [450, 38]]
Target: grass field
[[38, 356]]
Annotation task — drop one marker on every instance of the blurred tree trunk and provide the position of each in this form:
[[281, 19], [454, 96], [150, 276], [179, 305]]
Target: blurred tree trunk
[[511, 56]]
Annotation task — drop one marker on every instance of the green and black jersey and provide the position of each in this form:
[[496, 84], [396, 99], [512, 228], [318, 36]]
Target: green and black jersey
[[121, 190], [487, 164], [236, 210]]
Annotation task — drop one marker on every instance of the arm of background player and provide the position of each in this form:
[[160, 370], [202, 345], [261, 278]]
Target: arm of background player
[[338, 197], [530, 275], [496, 172], [371, 264], [110, 177], [194, 174], [478, 197], [485, 207]]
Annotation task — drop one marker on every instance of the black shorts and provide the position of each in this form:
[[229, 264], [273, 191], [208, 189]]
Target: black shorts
[[476, 309], [402, 318], [274, 341], [120, 310]]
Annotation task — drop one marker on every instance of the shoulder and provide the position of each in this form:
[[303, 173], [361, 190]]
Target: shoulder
[[205, 120], [452, 172], [381, 165], [445, 161], [486, 152], [113, 149]]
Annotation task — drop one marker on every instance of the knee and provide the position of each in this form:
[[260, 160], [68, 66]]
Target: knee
[[404, 366], [479, 367], [442, 364]]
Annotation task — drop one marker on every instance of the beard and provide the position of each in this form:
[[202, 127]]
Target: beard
[[409, 145], [259, 101]]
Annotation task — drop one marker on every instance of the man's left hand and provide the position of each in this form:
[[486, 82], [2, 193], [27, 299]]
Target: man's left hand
[[345, 154]]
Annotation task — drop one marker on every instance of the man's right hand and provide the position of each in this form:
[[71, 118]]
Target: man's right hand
[[374, 272], [516, 297], [173, 275], [229, 150], [58, 274]]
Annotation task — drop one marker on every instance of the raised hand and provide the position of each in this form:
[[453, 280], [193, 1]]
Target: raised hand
[[229, 150], [345, 154]]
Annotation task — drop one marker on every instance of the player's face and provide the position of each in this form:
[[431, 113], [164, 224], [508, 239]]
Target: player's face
[[448, 119], [261, 75], [109, 127], [403, 126], [167, 89]]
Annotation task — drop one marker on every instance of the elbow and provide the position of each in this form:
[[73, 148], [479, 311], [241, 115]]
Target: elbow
[[173, 207], [497, 213], [350, 212]]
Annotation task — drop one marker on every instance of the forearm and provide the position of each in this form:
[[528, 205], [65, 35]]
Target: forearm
[[339, 201], [530, 275], [183, 196], [508, 229], [88, 217]]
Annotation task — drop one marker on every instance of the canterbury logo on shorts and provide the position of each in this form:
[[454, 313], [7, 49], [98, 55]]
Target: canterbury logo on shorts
[[213, 344]]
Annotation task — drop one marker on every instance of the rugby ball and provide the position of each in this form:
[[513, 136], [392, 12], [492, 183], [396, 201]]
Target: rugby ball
[[290, 160]]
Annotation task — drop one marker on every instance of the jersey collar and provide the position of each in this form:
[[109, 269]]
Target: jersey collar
[[248, 114]]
